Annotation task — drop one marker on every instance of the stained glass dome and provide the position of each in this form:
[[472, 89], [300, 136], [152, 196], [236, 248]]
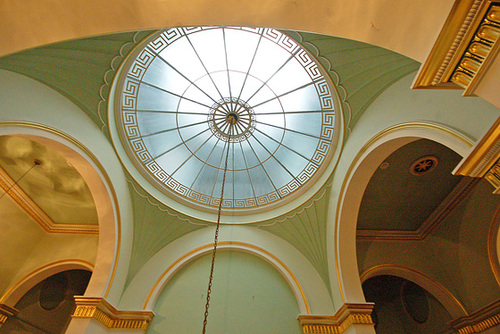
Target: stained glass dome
[[193, 95]]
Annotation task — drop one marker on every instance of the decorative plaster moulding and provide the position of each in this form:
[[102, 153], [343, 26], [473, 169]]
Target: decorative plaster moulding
[[479, 321], [347, 316], [466, 46], [105, 313]]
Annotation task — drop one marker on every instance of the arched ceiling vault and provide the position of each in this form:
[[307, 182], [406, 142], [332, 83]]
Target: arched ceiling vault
[[82, 70]]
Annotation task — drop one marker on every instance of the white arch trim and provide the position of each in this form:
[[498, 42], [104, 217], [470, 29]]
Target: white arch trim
[[19, 289], [370, 156], [100, 187], [228, 245], [445, 297]]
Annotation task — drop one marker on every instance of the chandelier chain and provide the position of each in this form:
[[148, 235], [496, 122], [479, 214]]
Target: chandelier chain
[[209, 289]]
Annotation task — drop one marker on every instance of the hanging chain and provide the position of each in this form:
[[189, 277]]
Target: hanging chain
[[209, 290]]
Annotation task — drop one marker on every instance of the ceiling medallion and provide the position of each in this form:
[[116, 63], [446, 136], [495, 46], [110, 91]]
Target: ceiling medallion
[[190, 92], [424, 165]]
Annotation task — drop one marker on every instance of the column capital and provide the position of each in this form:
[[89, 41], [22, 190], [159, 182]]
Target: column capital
[[99, 309], [348, 315]]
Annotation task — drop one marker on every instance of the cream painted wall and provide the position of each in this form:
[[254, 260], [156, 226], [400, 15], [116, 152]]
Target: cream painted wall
[[407, 27], [14, 250]]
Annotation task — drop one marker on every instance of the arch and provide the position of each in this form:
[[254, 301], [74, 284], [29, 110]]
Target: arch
[[356, 179], [228, 245], [494, 245], [21, 287], [100, 187], [445, 297]]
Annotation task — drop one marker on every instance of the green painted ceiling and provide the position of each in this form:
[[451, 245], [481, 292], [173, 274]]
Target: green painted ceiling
[[82, 70]]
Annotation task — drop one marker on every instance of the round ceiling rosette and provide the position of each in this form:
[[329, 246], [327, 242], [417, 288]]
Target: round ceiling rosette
[[192, 94]]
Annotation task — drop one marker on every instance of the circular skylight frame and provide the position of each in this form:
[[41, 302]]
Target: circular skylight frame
[[132, 132]]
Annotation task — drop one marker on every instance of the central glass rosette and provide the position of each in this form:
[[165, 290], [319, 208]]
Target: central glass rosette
[[191, 94]]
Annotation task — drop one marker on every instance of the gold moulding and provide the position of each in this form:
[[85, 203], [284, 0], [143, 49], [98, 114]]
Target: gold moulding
[[103, 312], [346, 316], [478, 321]]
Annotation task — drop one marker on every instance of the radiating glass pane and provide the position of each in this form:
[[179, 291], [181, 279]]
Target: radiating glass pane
[[262, 184], [151, 98], [294, 162], [161, 143], [163, 76], [205, 180], [243, 187], [186, 173], [241, 48], [151, 122], [304, 145], [277, 173], [210, 48], [304, 99], [171, 160], [181, 55], [268, 60], [290, 77], [309, 123]]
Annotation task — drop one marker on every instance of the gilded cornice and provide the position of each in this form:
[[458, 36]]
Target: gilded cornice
[[465, 47], [6, 312], [454, 198], [346, 316], [13, 190], [484, 159], [478, 321], [103, 312]]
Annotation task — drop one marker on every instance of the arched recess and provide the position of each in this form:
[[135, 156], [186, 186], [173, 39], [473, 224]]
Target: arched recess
[[370, 156], [494, 245], [309, 289], [228, 245], [20, 288], [445, 297], [100, 187]]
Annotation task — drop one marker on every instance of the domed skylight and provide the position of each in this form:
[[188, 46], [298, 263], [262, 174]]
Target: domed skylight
[[191, 92]]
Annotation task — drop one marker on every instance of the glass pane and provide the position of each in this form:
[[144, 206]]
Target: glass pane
[[161, 143], [152, 122], [171, 160], [186, 173], [290, 77], [163, 76], [241, 48], [309, 123], [151, 98], [304, 145], [277, 173], [180, 55], [242, 185], [210, 48]]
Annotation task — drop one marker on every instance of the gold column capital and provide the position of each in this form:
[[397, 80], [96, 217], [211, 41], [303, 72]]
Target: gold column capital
[[479, 321], [6, 312], [484, 159], [102, 311], [349, 314]]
